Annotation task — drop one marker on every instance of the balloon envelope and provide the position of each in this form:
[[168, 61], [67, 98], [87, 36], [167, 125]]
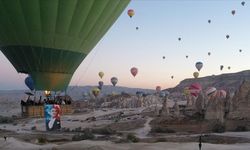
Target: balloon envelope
[[221, 94], [158, 89], [100, 84], [95, 91], [221, 67], [29, 83], [101, 74], [210, 91], [114, 80], [131, 13], [48, 39], [199, 65], [196, 74], [134, 71], [195, 89]]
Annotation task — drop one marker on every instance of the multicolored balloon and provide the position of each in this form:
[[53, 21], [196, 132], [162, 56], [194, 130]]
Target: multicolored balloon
[[210, 91], [131, 13], [134, 71], [29, 83], [196, 75], [199, 65], [195, 89], [114, 80], [101, 74]]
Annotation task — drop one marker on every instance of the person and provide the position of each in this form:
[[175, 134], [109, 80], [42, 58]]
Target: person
[[200, 143], [5, 138], [52, 117]]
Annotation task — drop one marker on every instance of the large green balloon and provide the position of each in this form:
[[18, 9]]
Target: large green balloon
[[48, 39]]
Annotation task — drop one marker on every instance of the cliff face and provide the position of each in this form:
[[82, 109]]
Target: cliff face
[[240, 108], [230, 81]]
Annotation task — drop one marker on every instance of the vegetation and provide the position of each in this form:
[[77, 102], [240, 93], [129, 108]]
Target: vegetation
[[132, 138], [4, 119]]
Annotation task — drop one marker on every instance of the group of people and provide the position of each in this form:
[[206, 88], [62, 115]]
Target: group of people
[[60, 100]]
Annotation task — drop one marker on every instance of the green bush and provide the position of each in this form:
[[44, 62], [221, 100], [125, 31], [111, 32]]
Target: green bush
[[218, 128], [240, 128], [42, 140], [86, 135], [6, 119], [104, 131], [162, 130], [132, 138]]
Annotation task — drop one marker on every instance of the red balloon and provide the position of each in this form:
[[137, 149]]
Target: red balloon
[[158, 89], [195, 89], [134, 71]]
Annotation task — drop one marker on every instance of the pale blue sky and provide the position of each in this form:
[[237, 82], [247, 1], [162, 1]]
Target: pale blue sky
[[160, 24]]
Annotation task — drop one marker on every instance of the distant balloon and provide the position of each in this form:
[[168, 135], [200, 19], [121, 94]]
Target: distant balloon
[[137, 28], [158, 89], [209, 21], [242, 3], [221, 94], [240, 50], [228, 67], [227, 36], [114, 81], [101, 74], [199, 65], [196, 74], [186, 91], [100, 85], [179, 39], [209, 53], [186, 56], [172, 77], [195, 89], [233, 12], [29, 83], [210, 91], [134, 71], [95, 91], [221, 67], [163, 57], [131, 13]]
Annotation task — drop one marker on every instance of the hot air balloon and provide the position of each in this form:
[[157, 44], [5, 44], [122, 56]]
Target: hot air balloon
[[195, 89], [196, 74], [221, 94], [131, 13], [137, 28], [227, 36], [48, 39], [101, 74], [158, 89], [186, 56], [228, 67], [221, 67], [172, 77], [134, 71], [163, 57], [100, 85], [233, 12], [242, 3], [209, 21], [186, 91], [95, 91], [240, 50], [179, 39], [29, 83], [114, 80], [210, 91], [199, 65], [209, 53]]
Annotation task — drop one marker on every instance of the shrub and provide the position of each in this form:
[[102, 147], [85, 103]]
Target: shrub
[[218, 128], [42, 140], [86, 135], [162, 130], [132, 138], [241, 128]]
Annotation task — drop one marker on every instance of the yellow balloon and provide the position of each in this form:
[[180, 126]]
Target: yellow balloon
[[196, 74], [101, 74], [95, 91]]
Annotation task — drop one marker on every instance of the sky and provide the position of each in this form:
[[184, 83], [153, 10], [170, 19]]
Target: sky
[[161, 23]]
